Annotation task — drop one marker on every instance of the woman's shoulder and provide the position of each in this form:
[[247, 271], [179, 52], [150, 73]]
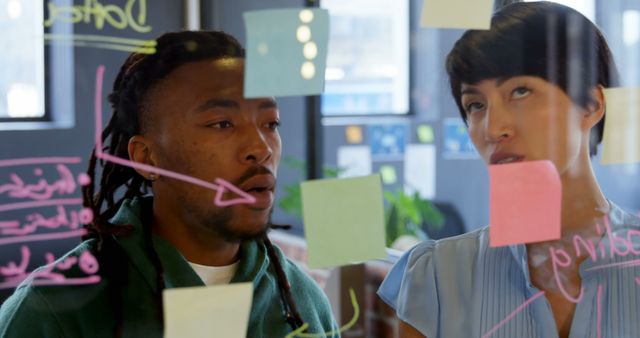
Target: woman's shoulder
[[461, 247], [426, 259]]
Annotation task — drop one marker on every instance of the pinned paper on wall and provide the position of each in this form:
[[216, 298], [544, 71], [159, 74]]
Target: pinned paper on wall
[[198, 311], [621, 137], [456, 141], [353, 134], [354, 161], [343, 220], [461, 14], [388, 174], [387, 141], [425, 133], [525, 200], [420, 170], [286, 52]]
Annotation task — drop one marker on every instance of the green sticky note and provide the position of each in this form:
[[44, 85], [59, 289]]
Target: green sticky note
[[425, 133], [388, 173], [621, 137], [465, 14], [190, 311], [286, 52], [343, 220]]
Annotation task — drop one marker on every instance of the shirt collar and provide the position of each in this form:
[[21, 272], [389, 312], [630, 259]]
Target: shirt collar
[[177, 271]]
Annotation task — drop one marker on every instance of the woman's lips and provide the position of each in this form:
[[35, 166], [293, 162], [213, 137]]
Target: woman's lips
[[504, 158]]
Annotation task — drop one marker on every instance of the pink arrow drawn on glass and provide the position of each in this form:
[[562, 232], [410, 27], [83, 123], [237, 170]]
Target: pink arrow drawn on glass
[[220, 188]]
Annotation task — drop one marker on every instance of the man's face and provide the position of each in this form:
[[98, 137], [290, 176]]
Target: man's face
[[201, 125]]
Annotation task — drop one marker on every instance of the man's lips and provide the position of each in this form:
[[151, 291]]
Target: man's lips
[[504, 157], [261, 187]]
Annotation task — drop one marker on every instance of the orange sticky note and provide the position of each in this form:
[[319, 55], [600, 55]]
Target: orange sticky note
[[354, 134], [525, 203]]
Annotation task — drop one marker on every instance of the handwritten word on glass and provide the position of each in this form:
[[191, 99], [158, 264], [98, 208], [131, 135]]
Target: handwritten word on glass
[[93, 10], [45, 188], [132, 16]]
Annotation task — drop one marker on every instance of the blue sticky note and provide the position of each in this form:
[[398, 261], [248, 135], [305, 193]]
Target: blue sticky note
[[286, 52]]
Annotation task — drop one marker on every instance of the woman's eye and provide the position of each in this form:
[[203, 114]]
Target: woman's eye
[[221, 125], [520, 92], [474, 107]]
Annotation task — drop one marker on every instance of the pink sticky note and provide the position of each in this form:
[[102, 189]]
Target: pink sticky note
[[525, 200]]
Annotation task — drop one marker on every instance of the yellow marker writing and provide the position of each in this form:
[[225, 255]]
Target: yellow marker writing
[[105, 42], [93, 10], [356, 314]]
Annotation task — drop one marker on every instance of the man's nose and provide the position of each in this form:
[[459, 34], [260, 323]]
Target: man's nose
[[256, 149]]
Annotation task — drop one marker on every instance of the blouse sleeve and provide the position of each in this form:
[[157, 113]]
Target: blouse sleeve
[[411, 289]]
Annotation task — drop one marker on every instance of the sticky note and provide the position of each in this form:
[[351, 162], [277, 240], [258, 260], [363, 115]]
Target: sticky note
[[462, 14], [388, 173], [206, 311], [286, 52], [420, 170], [343, 220], [425, 133], [621, 137], [354, 161], [353, 134], [524, 206]]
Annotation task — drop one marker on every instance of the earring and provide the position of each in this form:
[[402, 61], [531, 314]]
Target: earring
[[152, 177]]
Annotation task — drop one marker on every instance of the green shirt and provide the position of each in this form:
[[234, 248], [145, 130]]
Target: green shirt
[[87, 310]]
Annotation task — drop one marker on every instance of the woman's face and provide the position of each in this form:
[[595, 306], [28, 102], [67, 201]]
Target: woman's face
[[525, 118]]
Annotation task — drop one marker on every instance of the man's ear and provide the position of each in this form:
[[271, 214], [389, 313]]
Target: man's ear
[[141, 151], [595, 107]]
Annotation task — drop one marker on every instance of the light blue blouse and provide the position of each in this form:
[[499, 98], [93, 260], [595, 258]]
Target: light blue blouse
[[460, 287]]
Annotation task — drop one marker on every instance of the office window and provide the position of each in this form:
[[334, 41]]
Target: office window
[[22, 89], [368, 61]]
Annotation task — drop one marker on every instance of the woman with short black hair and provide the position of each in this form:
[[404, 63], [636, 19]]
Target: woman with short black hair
[[530, 88]]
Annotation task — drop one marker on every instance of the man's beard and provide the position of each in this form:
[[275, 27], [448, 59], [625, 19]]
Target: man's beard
[[219, 223]]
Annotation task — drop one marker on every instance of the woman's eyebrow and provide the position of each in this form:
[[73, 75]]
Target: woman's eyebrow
[[470, 91]]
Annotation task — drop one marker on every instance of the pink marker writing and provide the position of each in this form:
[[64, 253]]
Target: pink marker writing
[[14, 274]]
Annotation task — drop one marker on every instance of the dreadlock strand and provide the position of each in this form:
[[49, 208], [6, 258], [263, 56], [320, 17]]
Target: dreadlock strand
[[285, 287]]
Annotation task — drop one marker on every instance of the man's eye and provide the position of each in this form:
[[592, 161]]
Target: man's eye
[[274, 125], [474, 107], [520, 92], [221, 125]]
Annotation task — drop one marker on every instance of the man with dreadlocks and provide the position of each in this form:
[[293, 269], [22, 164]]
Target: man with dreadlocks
[[181, 109]]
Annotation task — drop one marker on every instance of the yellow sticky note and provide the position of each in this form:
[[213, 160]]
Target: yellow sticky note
[[388, 173], [621, 138], [462, 14], [343, 220], [425, 133], [206, 311], [354, 134]]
